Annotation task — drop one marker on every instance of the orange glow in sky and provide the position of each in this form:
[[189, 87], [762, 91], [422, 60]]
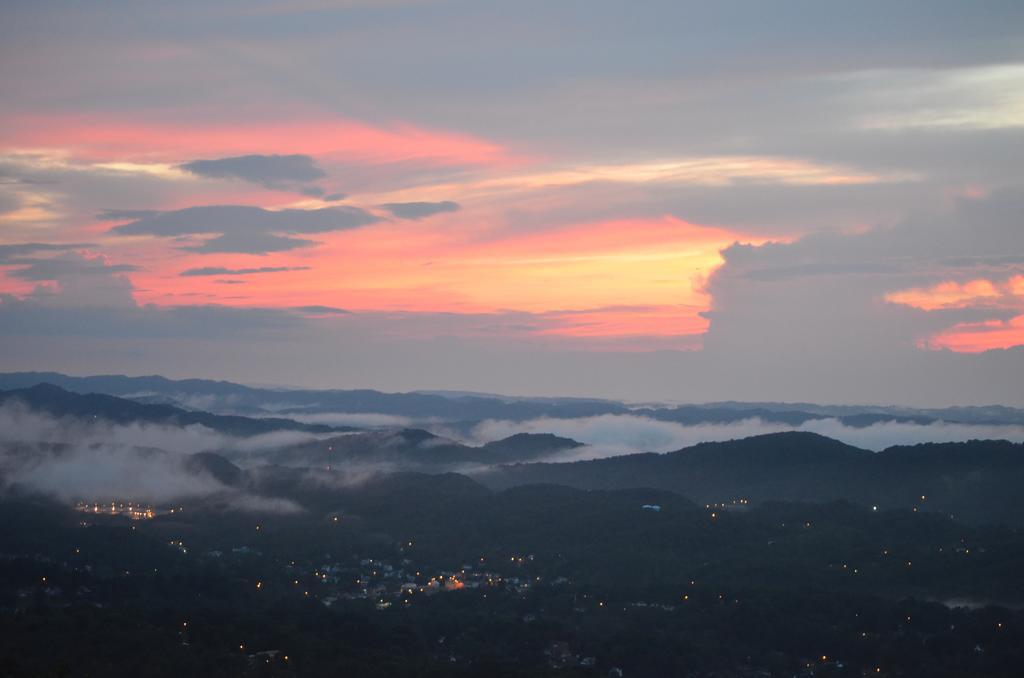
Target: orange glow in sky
[[588, 280], [641, 277], [983, 336], [971, 337], [594, 282], [948, 294], [103, 139]]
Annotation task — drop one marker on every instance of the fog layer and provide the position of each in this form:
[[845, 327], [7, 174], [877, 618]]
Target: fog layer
[[610, 435]]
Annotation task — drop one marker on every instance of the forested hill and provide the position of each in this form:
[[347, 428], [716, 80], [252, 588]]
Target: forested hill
[[978, 481]]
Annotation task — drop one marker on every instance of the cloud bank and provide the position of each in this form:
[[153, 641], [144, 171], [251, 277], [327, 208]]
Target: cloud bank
[[220, 270], [74, 459], [246, 229], [612, 435], [419, 210], [280, 172]]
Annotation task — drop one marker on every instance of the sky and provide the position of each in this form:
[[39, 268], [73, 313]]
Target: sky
[[666, 200]]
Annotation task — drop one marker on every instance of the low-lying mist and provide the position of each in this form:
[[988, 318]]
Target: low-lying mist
[[611, 435], [74, 459], [84, 459], [21, 424], [84, 473], [357, 419]]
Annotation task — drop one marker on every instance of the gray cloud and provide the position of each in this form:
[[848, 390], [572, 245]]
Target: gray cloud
[[321, 310], [243, 218], [126, 215], [812, 312], [252, 243], [926, 247], [9, 201], [674, 82], [15, 250], [64, 267], [218, 270], [419, 210], [246, 229], [107, 315], [271, 171]]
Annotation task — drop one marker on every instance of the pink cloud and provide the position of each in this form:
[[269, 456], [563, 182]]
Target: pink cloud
[[982, 336], [101, 139]]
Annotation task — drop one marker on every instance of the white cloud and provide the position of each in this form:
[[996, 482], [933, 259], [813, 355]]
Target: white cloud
[[611, 435], [75, 459], [107, 472], [357, 419], [980, 98]]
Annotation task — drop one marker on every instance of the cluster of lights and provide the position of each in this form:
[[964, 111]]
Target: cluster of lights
[[116, 508], [726, 504]]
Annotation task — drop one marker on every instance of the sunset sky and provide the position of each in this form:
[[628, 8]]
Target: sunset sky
[[643, 200]]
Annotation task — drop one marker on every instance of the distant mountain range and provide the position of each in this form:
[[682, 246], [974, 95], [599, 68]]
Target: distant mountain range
[[467, 409], [404, 447], [416, 449], [57, 402], [977, 481]]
